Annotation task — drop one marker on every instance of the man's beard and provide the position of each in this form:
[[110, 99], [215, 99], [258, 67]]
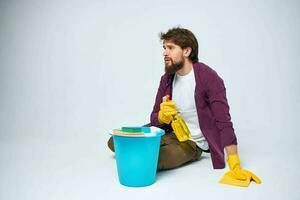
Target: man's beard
[[174, 67]]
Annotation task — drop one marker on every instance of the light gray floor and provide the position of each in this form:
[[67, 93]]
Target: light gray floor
[[78, 168]]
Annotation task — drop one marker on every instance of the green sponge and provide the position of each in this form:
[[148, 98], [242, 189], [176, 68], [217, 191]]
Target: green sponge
[[134, 129]]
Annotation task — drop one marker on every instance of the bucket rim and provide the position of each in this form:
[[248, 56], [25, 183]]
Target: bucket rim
[[155, 132]]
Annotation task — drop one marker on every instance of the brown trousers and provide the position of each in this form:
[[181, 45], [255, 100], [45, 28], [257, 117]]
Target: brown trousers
[[172, 153]]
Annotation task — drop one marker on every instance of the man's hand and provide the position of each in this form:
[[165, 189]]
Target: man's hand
[[238, 176], [180, 129], [166, 112]]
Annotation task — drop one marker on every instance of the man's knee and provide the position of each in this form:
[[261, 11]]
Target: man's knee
[[110, 144], [175, 155], [171, 156]]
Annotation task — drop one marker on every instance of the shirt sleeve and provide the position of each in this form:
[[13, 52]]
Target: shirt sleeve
[[159, 95], [216, 93]]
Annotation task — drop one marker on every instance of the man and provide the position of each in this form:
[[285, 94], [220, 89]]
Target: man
[[199, 98]]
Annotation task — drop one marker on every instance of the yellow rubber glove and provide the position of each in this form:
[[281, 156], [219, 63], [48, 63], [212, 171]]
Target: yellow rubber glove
[[167, 110], [180, 128], [238, 176]]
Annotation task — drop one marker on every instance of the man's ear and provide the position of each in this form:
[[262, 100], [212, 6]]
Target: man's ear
[[187, 51]]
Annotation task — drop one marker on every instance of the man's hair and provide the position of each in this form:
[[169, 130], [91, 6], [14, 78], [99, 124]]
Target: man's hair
[[183, 38]]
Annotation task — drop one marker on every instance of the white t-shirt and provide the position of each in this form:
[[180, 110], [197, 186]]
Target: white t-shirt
[[184, 98]]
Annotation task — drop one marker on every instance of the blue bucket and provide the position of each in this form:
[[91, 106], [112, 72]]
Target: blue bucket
[[137, 157]]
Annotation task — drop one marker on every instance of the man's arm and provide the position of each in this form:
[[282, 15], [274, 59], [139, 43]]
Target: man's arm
[[216, 96], [220, 108], [154, 114], [231, 149]]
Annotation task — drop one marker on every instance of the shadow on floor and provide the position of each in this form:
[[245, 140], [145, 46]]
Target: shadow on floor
[[166, 172]]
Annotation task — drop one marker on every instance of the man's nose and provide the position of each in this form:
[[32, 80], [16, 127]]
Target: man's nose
[[165, 53]]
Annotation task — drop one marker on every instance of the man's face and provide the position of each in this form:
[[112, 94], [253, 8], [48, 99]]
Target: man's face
[[173, 57]]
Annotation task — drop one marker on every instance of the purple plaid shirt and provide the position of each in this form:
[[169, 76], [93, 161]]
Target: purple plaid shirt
[[212, 108]]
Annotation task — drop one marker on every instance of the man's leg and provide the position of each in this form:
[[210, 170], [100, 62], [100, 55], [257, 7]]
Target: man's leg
[[110, 144], [173, 153]]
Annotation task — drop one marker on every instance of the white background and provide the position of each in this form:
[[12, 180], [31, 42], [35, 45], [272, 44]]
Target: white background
[[72, 70]]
